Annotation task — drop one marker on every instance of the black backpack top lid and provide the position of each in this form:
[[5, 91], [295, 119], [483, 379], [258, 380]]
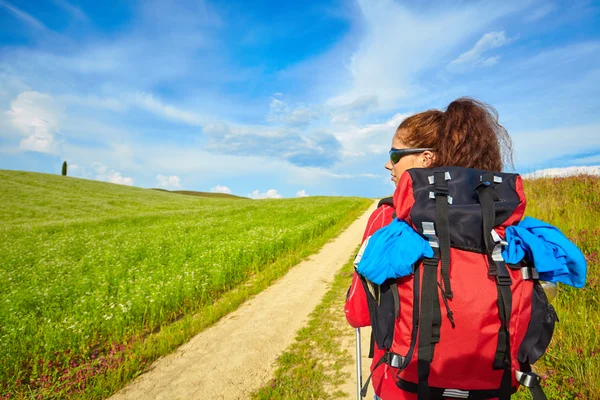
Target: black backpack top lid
[[464, 211]]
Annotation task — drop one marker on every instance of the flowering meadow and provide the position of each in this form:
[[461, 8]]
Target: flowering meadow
[[89, 271], [571, 368]]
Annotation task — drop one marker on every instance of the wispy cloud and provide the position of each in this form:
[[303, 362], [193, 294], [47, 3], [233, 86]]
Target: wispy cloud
[[301, 193], [312, 148], [476, 56], [23, 16], [152, 104], [74, 11], [299, 116], [540, 11]]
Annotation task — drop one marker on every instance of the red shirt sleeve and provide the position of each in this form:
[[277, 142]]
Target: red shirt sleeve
[[356, 309]]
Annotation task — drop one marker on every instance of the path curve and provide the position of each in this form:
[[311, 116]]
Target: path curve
[[236, 356]]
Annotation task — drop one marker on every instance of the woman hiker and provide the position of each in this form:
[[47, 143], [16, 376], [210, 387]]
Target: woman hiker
[[467, 134]]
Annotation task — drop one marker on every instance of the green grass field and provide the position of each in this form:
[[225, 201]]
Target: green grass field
[[572, 368], [97, 279], [309, 369]]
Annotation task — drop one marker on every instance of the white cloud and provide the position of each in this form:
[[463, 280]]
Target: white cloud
[[562, 172], [475, 56], [354, 110], [103, 173], [301, 193], [168, 182], [116, 177], [220, 189], [36, 116], [371, 138], [301, 115], [269, 194]]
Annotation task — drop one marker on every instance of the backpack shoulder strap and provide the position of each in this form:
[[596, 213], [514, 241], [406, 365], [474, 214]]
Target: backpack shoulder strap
[[387, 201]]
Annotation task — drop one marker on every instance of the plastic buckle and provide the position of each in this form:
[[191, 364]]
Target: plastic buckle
[[503, 280], [429, 232], [447, 177], [395, 360], [433, 194], [528, 379], [442, 190], [529, 273]]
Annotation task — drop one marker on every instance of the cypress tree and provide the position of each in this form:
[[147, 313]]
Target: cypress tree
[[64, 169]]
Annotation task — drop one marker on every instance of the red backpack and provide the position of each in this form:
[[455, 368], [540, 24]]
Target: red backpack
[[464, 324]]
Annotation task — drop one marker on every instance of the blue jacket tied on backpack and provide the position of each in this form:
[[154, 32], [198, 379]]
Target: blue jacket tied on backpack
[[555, 257], [392, 251]]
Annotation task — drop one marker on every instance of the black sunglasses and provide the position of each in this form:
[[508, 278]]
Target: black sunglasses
[[397, 154]]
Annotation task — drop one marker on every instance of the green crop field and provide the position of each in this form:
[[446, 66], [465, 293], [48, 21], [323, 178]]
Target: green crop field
[[97, 279]]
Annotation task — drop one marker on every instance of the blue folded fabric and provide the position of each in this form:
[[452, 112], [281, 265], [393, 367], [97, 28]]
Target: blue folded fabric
[[555, 257], [392, 251]]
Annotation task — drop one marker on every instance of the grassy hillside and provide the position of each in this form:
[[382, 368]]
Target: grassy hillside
[[202, 194], [97, 279], [29, 197]]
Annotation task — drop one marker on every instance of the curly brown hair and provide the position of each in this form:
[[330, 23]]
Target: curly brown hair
[[467, 134]]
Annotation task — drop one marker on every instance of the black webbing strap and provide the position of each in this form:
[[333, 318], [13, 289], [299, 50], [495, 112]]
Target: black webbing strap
[[429, 322], [442, 227], [383, 359], [394, 289], [415, 317], [485, 191], [436, 393], [537, 393], [502, 359]]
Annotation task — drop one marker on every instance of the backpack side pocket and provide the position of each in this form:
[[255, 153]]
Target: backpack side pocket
[[383, 310], [541, 327]]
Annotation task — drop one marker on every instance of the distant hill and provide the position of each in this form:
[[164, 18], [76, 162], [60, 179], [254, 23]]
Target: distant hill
[[39, 197], [202, 194]]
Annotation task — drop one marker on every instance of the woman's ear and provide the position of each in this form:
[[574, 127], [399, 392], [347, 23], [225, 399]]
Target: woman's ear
[[427, 158]]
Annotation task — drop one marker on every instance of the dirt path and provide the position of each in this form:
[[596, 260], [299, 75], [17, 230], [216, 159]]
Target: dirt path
[[236, 356]]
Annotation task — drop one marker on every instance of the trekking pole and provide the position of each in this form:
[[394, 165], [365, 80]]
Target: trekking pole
[[358, 357], [358, 366]]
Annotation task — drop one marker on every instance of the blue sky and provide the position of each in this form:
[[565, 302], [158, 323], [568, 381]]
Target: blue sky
[[267, 99]]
